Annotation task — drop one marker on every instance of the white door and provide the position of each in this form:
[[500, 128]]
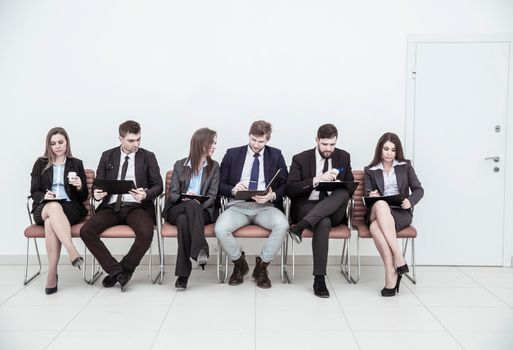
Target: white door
[[460, 92]]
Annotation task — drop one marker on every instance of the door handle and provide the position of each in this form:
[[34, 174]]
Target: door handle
[[496, 159]]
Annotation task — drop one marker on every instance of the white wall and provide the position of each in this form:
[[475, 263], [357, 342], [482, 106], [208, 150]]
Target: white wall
[[176, 66]]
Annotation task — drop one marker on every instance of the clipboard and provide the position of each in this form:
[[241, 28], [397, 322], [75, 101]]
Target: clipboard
[[48, 200], [393, 201], [247, 195], [197, 197], [114, 186], [350, 186]]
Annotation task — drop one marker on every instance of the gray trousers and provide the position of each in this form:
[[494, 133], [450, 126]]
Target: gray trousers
[[246, 213]]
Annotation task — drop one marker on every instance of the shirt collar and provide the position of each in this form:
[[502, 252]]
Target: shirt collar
[[250, 151], [131, 156], [379, 166]]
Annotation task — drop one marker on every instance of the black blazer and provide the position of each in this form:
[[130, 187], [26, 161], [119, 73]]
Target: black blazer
[[406, 180], [303, 170], [42, 181], [147, 175], [233, 164], [181, 179]]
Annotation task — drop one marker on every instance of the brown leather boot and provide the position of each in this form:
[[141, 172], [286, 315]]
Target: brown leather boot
[[240, 269], [260, 274]]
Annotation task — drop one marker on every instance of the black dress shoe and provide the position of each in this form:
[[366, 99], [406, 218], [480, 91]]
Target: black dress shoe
[[403, 269], [390, 292], [78, 262], [181, 282], [52, 290], [320, 288], [110, 280], [202, 259], [123, 279], [295, 234], [240, 269]]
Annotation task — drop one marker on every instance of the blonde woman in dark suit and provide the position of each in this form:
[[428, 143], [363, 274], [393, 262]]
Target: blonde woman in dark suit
[[198, 174], [58, 188], [390, 173]]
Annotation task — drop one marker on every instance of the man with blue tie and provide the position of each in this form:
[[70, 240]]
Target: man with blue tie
[[251, 167]]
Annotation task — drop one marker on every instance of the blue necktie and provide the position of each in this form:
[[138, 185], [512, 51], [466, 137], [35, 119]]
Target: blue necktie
[[255, 169]]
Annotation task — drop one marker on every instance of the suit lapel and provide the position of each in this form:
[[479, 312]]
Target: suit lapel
[[138, 165], [380, 182], [312, 164], [400, 176], [267, 165], [240, 163], [115, 163]]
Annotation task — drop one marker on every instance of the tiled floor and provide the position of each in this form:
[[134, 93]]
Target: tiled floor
[[449, 308]]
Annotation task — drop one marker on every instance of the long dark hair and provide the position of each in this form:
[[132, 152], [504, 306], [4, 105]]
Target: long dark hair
[[48, 147], [388, 136], [201, 141]]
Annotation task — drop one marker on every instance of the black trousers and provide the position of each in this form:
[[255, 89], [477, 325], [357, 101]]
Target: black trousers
[[322, 216], [135, 217], [190, 219]]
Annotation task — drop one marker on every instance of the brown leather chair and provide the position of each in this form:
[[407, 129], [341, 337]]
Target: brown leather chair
[[249, 231], [166, 230], [35, 231], [338, 232], [358, 223]]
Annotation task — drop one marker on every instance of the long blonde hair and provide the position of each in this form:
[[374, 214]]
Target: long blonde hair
[[48, 149]]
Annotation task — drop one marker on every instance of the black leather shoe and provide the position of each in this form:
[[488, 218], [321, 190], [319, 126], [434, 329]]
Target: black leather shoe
[[52, 290], [261, 275], [240, 269], [181, 282], [295, 234], [202, 259], [320, 288], [123, 279], [403, 269], [78, 262], [110, 280], [390, 292]]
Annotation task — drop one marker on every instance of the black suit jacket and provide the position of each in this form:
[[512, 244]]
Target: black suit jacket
[[42, 181], [406, 180], [147, 175], [181, 179], [303, 170], [233, 164]]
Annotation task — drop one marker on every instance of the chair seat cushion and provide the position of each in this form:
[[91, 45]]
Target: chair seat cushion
[[364, 232], [340, 232], [118, 231], [37, 231], [252, 231], [169, 230]]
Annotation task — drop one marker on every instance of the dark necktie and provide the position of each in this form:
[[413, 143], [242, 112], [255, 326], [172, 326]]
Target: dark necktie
[[123, 174], [324, 194], [255, 169]]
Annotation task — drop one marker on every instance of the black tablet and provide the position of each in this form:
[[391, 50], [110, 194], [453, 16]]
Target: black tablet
[[350, 186], [197, 197], [114, 186], [393, 201]]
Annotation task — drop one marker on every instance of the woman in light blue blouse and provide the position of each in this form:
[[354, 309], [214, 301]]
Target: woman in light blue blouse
[[198, 174], [388, 174], [58, 189]]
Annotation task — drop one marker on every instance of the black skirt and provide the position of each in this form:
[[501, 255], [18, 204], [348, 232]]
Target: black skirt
[[72, 210], [402, 217]]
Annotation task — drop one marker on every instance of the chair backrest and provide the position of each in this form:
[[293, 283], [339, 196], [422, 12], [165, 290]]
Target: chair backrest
[[90, 175], [359, 209], [168, 184]]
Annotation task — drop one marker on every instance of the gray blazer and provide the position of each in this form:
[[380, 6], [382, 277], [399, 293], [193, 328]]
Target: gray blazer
[[406, 180], [180, 184]]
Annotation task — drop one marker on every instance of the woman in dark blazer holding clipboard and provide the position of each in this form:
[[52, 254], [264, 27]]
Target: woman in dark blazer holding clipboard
[[58, 189], [198, 174], [390, 174]]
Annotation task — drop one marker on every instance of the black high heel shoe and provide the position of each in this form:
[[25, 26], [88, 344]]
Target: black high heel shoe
[[401, 270], [390, 292], [202, 259], [52, 290], [78, 262]]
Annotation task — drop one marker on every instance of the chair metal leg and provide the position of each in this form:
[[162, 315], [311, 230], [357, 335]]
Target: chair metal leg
[[222, 270], [358, 263], [96, 272], [160, 276], [413, 276], [345, 263], [284, 257], [27, 279]]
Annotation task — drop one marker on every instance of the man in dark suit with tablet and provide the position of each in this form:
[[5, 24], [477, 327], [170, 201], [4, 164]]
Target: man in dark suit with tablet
[[314, 209], [135, 209], [251, 167]]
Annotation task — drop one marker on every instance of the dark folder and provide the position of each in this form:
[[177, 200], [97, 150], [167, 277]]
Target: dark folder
[[350, 186], [247, 195], [114, 186], [393, 201], [197, 197]]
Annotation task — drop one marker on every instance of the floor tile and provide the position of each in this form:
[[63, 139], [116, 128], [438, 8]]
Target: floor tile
[[23, 340], [103, 339], [485, 340], [475, 319], [491, 277], [441, 276], [6, 292], [200, 336], [72, 295], [463, 297], [305, 340], [505, 294], [36, 317], [396, 340], [370, 295]]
